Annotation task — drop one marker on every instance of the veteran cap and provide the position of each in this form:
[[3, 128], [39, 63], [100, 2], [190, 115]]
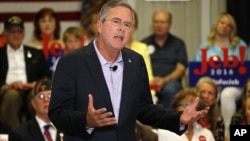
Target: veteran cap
[[12, 21], [42, 85]]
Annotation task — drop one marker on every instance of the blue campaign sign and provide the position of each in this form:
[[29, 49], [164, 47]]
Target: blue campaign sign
[[224, 73]]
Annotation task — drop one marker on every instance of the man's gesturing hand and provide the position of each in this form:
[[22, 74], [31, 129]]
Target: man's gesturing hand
[[190, 114], [100, 117]]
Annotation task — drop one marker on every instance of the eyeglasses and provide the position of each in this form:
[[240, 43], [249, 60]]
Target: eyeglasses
[[118, 22], [42, 96]]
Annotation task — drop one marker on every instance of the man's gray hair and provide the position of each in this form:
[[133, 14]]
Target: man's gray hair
[[111, 4]]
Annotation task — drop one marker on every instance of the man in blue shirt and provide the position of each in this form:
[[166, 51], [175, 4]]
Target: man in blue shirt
[[168, 58]]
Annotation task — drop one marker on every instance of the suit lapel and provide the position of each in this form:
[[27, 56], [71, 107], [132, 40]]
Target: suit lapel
[[94, 65], [127, 78], [35, 131]]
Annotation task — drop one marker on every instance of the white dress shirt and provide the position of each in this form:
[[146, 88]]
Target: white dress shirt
[[52, 129], [16, 65]]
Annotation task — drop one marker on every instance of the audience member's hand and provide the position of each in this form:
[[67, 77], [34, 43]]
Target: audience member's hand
[[191, 114], [18, 85], [98, 117], [28, 86], [159, 81]]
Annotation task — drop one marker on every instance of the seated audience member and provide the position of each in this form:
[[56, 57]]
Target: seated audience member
[[168, 57], [34, 129], [245, 92], [20, 67], [194, 132], [90, 28], [208, 92], [47, 31], [242, 116], [72, 38], [223, 38]]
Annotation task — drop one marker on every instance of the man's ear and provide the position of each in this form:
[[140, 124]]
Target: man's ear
[[99, 26]]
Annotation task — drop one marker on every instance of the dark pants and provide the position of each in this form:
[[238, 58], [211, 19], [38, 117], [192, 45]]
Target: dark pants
[[13, 103]]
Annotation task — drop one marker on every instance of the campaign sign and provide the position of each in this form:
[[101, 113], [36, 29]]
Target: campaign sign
[[239, 132], [226, 69], [223, 76], [224, 73]]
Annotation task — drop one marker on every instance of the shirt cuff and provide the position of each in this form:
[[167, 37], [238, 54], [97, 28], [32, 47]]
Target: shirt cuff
[[182, 127]]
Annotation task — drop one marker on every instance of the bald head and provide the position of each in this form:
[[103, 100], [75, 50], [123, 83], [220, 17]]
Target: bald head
[[162, 21], [166, 15]]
